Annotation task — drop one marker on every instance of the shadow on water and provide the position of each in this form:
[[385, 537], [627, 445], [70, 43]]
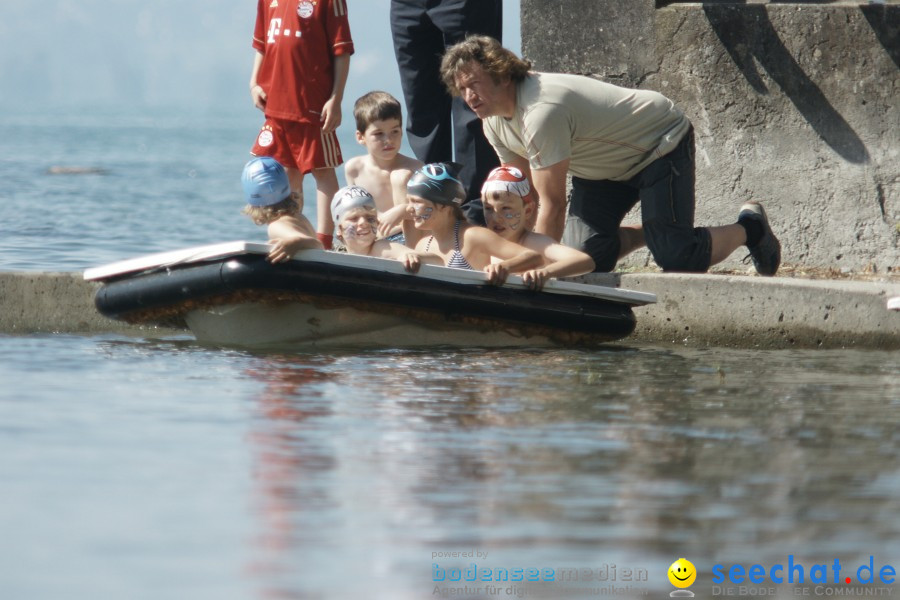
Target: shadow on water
[[749, 37]]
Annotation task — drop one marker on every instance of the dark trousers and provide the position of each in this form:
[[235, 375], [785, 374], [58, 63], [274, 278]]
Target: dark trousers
[[436, 123], [665, 189]]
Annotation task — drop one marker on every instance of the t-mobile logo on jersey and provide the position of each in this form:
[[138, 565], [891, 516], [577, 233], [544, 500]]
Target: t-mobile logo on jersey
[[275, 31]]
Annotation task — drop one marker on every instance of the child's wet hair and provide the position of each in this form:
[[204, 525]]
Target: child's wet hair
[[497, 61], [263, 215]]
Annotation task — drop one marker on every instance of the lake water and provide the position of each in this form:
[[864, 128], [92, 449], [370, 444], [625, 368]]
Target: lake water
[[168, 181], [160, 468]]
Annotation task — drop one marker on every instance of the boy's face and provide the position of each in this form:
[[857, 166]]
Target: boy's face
[[358, 225], [505, 214], [382, 138]]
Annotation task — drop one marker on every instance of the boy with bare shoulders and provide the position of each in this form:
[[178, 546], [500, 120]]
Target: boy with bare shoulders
[[509, 208], [383, 171], [267, 190]]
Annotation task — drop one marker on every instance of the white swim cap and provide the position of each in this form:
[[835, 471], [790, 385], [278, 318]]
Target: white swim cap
[[351, 196]]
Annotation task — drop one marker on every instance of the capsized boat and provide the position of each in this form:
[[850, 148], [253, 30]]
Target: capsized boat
[[229, 294]]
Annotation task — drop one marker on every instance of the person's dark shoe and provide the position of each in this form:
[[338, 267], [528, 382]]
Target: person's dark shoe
[[766, 253]]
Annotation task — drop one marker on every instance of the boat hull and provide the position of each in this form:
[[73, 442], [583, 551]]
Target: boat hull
[[244, 300], [305, 325]]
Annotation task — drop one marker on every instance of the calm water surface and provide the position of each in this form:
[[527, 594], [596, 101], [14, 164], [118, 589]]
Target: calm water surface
[[163, 469], [165, 180]]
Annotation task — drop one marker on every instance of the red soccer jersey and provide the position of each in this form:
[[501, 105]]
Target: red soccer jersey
[[299, 40]]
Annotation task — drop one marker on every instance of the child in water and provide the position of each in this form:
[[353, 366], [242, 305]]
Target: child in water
[[435, 194], [267, 192], [356, 225], [508, 208]]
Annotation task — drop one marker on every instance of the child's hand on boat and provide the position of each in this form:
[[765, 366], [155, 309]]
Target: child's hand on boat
[[411, 261], [497, 273], [535, 278], [278, 253], [282, 250]]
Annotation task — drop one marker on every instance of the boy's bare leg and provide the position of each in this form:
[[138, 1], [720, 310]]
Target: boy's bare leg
[[326, 188], [295, 178]]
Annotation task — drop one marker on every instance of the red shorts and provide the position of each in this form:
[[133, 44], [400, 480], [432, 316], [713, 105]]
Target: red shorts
[[301, 146]]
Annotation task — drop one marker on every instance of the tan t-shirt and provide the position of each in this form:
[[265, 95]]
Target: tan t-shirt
[[607, 132]]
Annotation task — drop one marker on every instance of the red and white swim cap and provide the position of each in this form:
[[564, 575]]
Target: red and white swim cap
[[507, 179]]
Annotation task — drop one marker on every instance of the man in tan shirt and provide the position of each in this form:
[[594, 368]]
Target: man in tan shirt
[[620, 145]]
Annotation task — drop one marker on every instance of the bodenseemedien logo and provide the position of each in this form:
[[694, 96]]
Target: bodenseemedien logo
[[682, 574]]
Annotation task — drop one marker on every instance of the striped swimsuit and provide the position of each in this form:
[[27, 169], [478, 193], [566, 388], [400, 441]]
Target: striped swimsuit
[[457, 260]]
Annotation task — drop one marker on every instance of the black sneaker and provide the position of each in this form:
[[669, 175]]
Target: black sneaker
[[766, 254]]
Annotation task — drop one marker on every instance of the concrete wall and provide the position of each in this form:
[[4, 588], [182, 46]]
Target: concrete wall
[[57, 303], [795, 105], [752, 312]]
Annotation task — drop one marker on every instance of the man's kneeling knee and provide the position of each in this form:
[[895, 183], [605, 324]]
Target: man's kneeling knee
[[683, 249]]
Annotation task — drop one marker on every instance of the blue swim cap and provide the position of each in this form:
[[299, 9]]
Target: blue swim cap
[[438, 183], [265, 182]]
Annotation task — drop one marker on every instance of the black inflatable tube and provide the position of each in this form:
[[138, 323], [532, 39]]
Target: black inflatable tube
[[584, 314]]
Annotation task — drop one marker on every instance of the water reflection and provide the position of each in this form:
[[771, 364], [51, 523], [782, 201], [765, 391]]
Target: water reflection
[[287, 453], [367, 464]]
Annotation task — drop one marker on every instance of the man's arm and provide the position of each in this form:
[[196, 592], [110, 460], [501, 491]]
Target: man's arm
[[521, 163], [550, 185]]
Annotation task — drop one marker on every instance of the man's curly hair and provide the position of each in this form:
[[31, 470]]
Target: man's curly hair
[[496, 60]]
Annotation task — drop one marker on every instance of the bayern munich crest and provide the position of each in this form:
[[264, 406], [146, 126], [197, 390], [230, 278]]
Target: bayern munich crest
[[265, 138], [305, 9]]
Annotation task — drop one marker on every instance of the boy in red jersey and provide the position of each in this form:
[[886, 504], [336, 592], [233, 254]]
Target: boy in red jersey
[[303, 50]]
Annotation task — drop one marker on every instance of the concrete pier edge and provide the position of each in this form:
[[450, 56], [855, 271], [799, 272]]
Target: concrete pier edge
[[702, 310]]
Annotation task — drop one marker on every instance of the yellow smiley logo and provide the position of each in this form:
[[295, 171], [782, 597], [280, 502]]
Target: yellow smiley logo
[[682, 573]]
